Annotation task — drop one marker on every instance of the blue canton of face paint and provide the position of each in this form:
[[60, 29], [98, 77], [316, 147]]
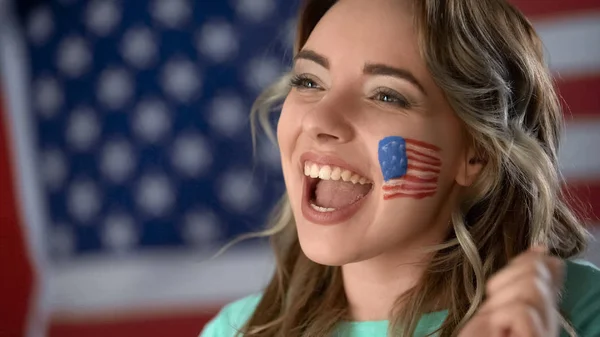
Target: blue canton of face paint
[[392, 157]]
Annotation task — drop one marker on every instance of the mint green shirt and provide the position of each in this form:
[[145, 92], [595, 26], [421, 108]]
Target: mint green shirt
[[581, 303]]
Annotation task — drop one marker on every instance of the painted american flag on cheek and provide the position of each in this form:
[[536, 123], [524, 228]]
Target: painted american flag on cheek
[[410, 167]]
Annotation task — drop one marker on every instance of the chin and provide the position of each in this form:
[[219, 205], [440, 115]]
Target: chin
[[325, 256], [329, 250]]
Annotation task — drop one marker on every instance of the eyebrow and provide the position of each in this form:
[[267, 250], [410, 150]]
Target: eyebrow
[[385, 70], [312, 56], [369, 68]]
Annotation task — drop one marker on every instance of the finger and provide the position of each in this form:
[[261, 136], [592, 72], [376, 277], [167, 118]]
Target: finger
[[513, 272], [549, 268], [512, 320], [530, 291], [535, 251], [554, 264], [518, 318], [478, 325]]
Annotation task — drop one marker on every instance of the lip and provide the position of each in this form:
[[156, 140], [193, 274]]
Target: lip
[[328, 218], [323, 159]]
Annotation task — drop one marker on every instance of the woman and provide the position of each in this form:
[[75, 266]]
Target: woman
[[419, 145]]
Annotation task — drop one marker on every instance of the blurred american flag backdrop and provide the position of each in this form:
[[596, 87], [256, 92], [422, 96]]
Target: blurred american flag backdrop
[[126, 158]]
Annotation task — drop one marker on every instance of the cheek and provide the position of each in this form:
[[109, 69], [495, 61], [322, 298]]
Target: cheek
[[411, 168], [286, 128], [288, 132]]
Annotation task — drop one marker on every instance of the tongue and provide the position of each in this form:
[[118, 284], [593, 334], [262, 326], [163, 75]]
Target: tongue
[[337, 193]]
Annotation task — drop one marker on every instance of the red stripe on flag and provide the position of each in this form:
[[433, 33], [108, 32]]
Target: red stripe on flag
[[436, 160], [419, 143], [586, 199], [580, 95], [16, 282], [427, 161], [422, 168], [555, 7], [154, 325], [415, 179], [409, 188], [410, 195]]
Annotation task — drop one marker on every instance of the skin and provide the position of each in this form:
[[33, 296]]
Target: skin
[[338, 109]]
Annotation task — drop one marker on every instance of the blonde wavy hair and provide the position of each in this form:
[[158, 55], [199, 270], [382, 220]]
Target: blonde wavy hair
[[488, 60]]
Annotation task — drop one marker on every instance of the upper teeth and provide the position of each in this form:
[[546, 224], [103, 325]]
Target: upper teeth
[[330, 172]]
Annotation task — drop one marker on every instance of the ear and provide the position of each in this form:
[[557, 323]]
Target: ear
[[470, 167]]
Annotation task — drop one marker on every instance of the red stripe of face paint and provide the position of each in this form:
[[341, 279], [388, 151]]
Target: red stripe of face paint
[[415, 179], [410, 187], [432, 158], [410, 192], [422, 144], [414, 159], [415, 196]]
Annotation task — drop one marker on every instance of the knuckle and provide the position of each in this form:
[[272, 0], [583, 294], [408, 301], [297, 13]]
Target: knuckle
[[527, 312], [532, 299], [492, 283]]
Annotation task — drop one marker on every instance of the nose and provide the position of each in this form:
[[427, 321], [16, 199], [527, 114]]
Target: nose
[[327, 123]]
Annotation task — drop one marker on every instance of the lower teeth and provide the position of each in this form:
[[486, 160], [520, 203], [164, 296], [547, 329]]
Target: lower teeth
[[321, 209]]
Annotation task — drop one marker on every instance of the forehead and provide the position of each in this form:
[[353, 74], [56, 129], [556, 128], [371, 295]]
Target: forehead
[[367, 31]]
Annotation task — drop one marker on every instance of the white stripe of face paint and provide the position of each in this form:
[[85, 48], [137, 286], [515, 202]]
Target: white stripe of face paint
[[401, 183], [419, 172], [422, 150]]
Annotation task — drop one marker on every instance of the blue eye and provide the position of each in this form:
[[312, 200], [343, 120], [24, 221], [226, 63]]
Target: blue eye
[[388, 96], [303, 82]]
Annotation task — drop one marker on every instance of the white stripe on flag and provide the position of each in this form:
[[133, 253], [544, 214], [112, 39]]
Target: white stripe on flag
[[579, 157], [163, 280], [572, 43]]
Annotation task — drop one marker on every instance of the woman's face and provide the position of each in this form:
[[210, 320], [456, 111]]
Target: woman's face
[[359, 79]]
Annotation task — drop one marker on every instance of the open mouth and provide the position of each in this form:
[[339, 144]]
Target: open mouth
[[332, 194], [328, 195]]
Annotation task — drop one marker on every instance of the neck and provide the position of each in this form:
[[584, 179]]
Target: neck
[[373, 286]]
